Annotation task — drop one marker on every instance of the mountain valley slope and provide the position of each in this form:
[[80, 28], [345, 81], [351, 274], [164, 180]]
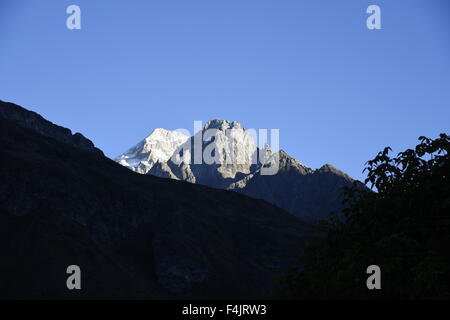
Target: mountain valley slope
[[134, 236]]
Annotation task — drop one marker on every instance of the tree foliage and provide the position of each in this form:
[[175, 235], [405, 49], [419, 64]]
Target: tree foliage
[[403, 226]]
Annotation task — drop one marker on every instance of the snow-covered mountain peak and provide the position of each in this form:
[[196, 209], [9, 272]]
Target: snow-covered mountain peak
[[159, 133], [158, 146], [226, 144], [162, 138]]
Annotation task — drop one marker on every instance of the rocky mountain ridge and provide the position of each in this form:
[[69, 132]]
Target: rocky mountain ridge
[[32, 120], [310, 194]]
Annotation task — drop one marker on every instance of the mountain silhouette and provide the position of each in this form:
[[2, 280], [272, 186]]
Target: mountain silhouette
[[134, 236]]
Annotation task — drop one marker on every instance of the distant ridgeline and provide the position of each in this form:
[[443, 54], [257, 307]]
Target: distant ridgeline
[[310, 194], [32, 120]]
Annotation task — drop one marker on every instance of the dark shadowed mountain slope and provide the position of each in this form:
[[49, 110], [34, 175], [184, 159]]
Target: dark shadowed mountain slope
[[311, 195], [32, 120], [134, 236]]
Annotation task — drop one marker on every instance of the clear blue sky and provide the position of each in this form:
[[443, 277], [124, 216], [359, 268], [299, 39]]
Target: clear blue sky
[[337, 91]]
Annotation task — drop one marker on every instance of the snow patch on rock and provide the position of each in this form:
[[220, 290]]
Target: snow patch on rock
[[157, 147]]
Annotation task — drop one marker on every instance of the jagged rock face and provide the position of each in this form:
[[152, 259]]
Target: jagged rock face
[[236, 164], [37, 123], [227, 152], [157, 147], [309, 194], [285, 164]]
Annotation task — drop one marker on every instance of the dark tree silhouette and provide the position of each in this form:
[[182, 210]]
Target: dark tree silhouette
[[403, 227]]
